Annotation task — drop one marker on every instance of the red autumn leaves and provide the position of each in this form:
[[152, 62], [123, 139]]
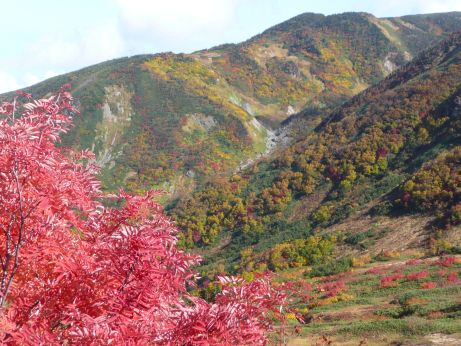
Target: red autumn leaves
[[75, 270]]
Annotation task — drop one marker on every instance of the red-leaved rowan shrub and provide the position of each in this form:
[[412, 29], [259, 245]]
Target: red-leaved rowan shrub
[[417, 275], [446, 261], [452, 278], [75, 271], [428, 285], [390, 280]]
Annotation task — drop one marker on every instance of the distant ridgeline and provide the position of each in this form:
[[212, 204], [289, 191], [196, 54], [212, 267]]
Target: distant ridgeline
[[176, 121]]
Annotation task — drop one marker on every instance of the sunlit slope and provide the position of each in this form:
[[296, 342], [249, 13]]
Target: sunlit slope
[[179, 120]]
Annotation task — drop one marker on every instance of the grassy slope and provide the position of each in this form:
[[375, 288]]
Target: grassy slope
[[408, 311]]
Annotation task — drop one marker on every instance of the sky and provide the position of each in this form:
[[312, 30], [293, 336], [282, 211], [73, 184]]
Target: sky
[[45, 38]]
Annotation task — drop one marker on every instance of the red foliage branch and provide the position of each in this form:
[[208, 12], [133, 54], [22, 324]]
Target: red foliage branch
[[76, 271]]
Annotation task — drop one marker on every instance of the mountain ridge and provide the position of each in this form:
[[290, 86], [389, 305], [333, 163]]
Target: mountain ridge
[[236, 95], [316, 150]]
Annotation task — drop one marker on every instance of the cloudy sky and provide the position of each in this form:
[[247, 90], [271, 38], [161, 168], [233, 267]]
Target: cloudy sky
[[44, 38]]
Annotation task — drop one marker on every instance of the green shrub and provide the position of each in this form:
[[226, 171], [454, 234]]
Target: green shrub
[[330, 268]]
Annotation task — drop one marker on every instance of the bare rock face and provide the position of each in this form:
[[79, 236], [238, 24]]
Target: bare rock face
[[116, 116], [199, 121]]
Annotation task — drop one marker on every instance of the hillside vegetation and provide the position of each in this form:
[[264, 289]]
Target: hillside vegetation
[[179, 120], [317, 149], [391, 151]]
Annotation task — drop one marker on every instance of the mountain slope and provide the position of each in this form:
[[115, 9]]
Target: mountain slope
[[389, 152], [182, 119]]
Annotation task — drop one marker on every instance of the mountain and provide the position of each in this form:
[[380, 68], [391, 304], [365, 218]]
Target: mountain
[[381, 172], [317, 149], [179, 120]]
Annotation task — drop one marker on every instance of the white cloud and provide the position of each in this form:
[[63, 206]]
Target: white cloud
[[175, 24], [433, 6], [88, 47], [49, 74], [62, 51], [391, 8], [31, 79], [8, 82], [176, 17]]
